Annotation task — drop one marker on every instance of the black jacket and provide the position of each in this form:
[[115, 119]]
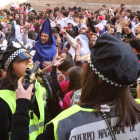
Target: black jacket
[[6, 113], [20, 123]]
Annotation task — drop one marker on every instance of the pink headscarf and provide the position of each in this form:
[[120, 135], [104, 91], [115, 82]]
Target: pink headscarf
[[99, 26]]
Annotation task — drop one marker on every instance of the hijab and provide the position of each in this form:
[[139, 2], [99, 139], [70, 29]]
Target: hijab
[[85, 45]]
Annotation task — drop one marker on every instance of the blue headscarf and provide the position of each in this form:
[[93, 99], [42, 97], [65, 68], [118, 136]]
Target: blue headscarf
[[45, 52]]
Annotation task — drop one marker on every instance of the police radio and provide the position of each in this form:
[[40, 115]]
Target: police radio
[[33, 72]]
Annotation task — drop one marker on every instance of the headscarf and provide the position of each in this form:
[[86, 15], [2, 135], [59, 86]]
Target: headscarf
[[45, 52], [85, 46]]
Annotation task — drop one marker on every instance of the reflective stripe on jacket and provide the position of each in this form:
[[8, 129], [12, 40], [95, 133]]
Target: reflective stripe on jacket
[[36, 126]]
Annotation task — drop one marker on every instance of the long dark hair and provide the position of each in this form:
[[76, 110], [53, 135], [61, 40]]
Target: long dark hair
[[10, 81], [32, 35], [37, 27], [53, 106], [96, 94], [75, 77], [24, 16]]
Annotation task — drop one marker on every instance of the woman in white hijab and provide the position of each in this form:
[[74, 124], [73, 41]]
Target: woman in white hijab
[[83, 41]]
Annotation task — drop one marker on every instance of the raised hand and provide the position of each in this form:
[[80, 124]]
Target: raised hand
[[46, 63], [59, 62], [78, 50]]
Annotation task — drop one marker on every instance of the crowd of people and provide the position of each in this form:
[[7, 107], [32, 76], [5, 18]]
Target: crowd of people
[[91, 61]]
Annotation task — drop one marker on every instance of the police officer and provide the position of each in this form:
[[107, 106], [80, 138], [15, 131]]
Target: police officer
[[14, 61], [106, 109]]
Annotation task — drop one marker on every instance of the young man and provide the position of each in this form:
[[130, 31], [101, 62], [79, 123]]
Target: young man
[[65, 18], [48, 9], [103, 10], [76, 18], [128, 13], [52, 16], [122, 6], [137, 24], [28, 8], [81, 24], [135, 44], [71, 15]]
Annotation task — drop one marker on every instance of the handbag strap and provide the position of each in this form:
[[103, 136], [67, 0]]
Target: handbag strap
[[109, 126]]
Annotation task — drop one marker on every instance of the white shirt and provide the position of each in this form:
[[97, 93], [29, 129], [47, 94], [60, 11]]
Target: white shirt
[[65, 20], [82, 26], [103, 12], [133, 29]]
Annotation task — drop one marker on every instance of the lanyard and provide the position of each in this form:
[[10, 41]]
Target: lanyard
[[109, 126]]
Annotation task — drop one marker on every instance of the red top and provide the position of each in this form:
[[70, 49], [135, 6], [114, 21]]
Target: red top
[[58, 51], [48, 9], [64, 86], [67, 100], [42, 21]]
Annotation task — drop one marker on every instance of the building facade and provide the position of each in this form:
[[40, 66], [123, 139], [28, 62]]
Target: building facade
[[92, 5]]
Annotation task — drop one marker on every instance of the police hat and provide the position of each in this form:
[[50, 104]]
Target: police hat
[[114, 61], [14, 52]]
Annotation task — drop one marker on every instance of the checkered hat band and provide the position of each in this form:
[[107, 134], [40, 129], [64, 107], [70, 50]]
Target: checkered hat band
[[11, 57], [102, 76]]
